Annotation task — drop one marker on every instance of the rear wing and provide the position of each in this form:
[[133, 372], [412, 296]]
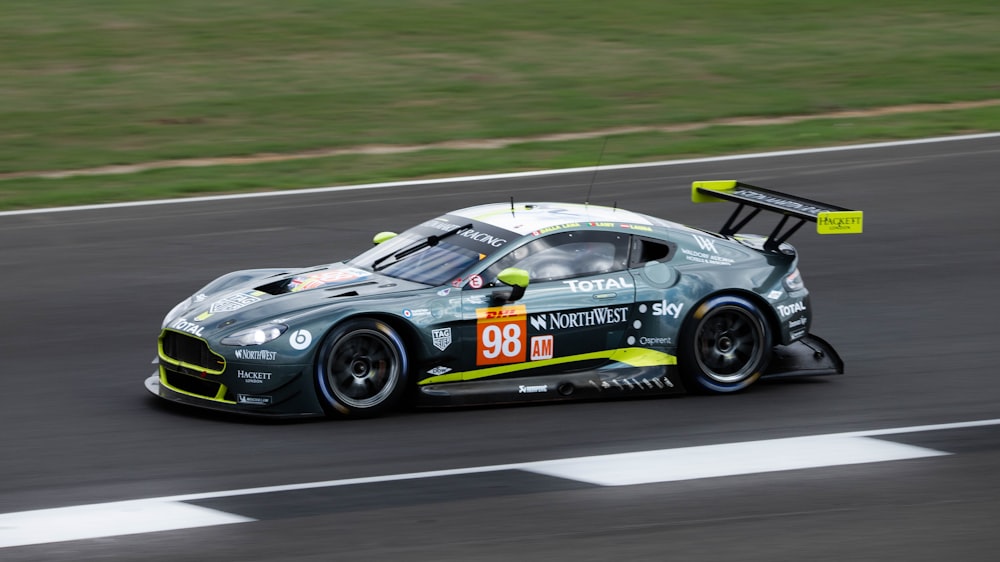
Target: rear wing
[[829, 219]]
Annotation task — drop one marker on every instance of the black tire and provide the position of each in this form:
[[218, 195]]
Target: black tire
[[361, 369], [725, 345]]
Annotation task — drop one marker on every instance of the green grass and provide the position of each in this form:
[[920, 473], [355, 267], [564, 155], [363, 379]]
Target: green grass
[[342, 170], [87, 84]]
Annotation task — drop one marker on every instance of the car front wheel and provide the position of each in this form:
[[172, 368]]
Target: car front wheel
[[361, 368]]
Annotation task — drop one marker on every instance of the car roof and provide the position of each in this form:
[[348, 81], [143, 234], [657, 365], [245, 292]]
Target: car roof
[[530, 218]]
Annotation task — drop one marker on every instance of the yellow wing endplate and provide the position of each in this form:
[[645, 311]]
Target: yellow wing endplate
[[699, 188], [839, 222]]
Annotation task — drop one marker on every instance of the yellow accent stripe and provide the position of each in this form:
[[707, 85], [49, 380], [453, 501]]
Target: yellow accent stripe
[[634, 356], [218, 395]]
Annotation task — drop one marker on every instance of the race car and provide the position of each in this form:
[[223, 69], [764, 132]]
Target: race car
[[507, 303]]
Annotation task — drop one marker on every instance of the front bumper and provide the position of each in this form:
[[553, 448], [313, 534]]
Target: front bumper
[[294, 400], [194, 372]]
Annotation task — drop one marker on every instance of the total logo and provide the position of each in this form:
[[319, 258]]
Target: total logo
[[664, 308], [789, 309], [587, 286], [182, 324]]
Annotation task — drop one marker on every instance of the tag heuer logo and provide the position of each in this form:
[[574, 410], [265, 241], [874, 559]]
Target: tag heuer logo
[[441, 338], [233, 302]]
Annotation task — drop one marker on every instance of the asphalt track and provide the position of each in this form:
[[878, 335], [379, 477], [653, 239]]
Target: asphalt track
[[910, 305]]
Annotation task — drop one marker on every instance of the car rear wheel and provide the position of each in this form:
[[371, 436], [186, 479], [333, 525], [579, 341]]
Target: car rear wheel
[[725, 345], [361, 368]]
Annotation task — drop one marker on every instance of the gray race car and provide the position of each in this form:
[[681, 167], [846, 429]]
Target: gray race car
[[506, 303]]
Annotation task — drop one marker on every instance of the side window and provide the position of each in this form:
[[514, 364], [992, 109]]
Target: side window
[[565, 255], [645, 250]]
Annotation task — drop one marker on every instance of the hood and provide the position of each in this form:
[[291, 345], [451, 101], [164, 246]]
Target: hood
[[265, 297]]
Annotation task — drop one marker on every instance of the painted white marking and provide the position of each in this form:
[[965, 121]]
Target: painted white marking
[[106, 520], [921, 428], [712, 461], [536, 173], [168, 513]]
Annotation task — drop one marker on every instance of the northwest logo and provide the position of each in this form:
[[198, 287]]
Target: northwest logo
[[256, 354], [582, 319]]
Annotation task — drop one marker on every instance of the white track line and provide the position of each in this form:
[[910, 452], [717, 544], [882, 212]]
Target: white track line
[[732, 459], [411, 183], [107, 520], [665, 465]]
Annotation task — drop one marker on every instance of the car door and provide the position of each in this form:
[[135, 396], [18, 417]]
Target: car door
[[575, 310], [663, 297]]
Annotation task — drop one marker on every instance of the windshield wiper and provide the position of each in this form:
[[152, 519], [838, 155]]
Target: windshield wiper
[[428, 242]]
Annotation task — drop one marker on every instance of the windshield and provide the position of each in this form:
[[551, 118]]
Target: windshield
[[409, 256], [432, 265]]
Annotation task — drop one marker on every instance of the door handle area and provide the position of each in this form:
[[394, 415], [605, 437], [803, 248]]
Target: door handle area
[[603, 296]]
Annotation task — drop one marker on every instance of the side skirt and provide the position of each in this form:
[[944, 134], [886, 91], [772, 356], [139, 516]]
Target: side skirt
[[621, 382]]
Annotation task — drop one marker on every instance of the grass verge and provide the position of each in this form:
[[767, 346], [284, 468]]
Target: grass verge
[[342, 170], [112, 82]]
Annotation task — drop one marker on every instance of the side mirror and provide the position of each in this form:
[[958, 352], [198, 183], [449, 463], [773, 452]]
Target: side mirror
[[517, 280], [383, 236]]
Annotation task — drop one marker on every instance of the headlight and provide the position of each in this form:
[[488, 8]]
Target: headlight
[[794, 281], [176, 311], [256, 335]]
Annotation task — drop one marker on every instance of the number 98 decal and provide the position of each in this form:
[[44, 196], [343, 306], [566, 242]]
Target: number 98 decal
[[500, 335]]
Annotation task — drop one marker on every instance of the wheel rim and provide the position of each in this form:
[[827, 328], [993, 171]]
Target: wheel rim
[[362, 368], [728, 344]]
